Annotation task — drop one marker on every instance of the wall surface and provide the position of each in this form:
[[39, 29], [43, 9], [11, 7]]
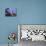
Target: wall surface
[[28, 12]]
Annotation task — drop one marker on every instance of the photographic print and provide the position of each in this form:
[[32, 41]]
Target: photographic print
[[10, 12]]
